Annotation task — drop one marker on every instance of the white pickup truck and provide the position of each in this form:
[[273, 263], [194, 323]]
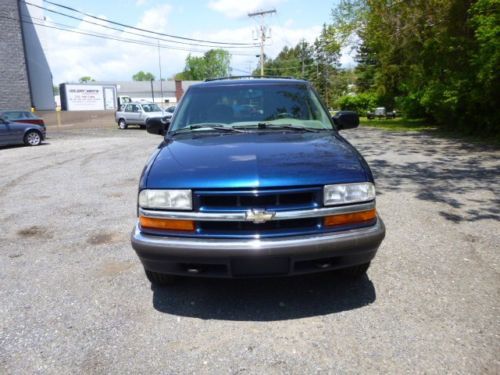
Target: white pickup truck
[[138, 114]]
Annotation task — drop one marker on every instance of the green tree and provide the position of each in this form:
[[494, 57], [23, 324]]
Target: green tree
[[360, 103], [143, 76], [295, 62], [366, 67], [327, 61], [86, 79], [318, 63], [434, 58], [214, 63]]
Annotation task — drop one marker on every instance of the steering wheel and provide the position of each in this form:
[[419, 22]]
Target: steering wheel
[[284, 115]]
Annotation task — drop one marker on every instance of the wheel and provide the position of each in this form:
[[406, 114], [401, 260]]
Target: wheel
[[32, 138], [122, 124], [355, 271], [142, 126], [160, 279]]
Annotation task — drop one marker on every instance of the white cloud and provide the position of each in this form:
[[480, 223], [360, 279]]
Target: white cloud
[[156, 18], [72, 55], [140, 2], [347, 57], [237, 9]]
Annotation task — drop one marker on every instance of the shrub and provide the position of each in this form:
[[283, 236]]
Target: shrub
[[360, 103]]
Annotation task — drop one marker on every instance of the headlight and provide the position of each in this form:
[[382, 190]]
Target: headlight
[[166, 199], [348, 193]]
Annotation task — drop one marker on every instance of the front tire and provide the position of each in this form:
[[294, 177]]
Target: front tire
[[122, 124], [160, 279], [32, 138]]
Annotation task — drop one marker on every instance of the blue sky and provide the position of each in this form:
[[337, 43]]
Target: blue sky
[[73, 55]]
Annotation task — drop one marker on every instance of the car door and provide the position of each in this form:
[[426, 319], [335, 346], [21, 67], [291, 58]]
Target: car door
[[132, 113], [141, 117], [3, 133], [7, 134]]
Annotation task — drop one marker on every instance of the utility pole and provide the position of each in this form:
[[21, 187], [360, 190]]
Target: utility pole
[[263, 34], [159, 64], [152, 91]]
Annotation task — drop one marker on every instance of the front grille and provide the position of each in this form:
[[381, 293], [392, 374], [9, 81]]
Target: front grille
[[269, 199], [230, 201]]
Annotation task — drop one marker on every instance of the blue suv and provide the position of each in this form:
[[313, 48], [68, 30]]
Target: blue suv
[[252, 179]]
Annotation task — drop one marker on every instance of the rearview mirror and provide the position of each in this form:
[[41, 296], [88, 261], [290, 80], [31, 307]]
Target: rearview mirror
[[346, 120], [157, 126]]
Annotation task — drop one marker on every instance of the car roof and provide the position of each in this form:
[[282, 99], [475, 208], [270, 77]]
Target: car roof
[[21, 112], [231, 81]]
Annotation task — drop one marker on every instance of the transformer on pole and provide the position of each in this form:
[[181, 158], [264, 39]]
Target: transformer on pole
[[263, 30]]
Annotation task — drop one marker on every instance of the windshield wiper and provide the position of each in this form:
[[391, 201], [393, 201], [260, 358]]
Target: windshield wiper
[[209, 127], [267, 125]]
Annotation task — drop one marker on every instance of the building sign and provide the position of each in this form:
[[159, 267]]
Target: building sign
[[88, 97]]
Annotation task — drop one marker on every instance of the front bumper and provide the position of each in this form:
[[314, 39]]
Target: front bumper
[[257, 257]]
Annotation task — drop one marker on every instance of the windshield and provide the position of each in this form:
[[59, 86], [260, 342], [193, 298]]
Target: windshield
[[251, 104], [151, 108]]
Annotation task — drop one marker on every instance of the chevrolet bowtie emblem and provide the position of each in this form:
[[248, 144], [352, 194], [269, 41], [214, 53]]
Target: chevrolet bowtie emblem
[[259, 215]]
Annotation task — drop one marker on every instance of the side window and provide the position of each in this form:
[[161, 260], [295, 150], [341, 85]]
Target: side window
[[128, 108], [135, 108], [12, 115]]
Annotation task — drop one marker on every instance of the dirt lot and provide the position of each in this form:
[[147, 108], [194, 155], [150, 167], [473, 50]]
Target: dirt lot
[[74, 298]]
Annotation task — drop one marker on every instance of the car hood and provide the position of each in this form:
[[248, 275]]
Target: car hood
[[255, 159]]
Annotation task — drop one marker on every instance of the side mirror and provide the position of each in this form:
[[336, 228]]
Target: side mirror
[[157, 126], [346, 120]]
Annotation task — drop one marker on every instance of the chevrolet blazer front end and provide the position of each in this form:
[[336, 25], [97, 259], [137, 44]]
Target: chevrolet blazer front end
[[253, 179]]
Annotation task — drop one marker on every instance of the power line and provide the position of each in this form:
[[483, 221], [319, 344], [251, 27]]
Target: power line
[[119, 39], [144, 30], [126, 31], [121, 30]]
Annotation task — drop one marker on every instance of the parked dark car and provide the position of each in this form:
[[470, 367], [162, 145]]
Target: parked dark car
[[12, 133], [271, 191], [24, 117]]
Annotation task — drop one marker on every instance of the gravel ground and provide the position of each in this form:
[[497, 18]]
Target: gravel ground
[[74, 297]]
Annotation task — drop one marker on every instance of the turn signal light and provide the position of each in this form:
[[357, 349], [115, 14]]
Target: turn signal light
[[166, 224], [352, 218]]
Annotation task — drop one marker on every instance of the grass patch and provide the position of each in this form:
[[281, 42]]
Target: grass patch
[[397, 124], [402, 124]]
